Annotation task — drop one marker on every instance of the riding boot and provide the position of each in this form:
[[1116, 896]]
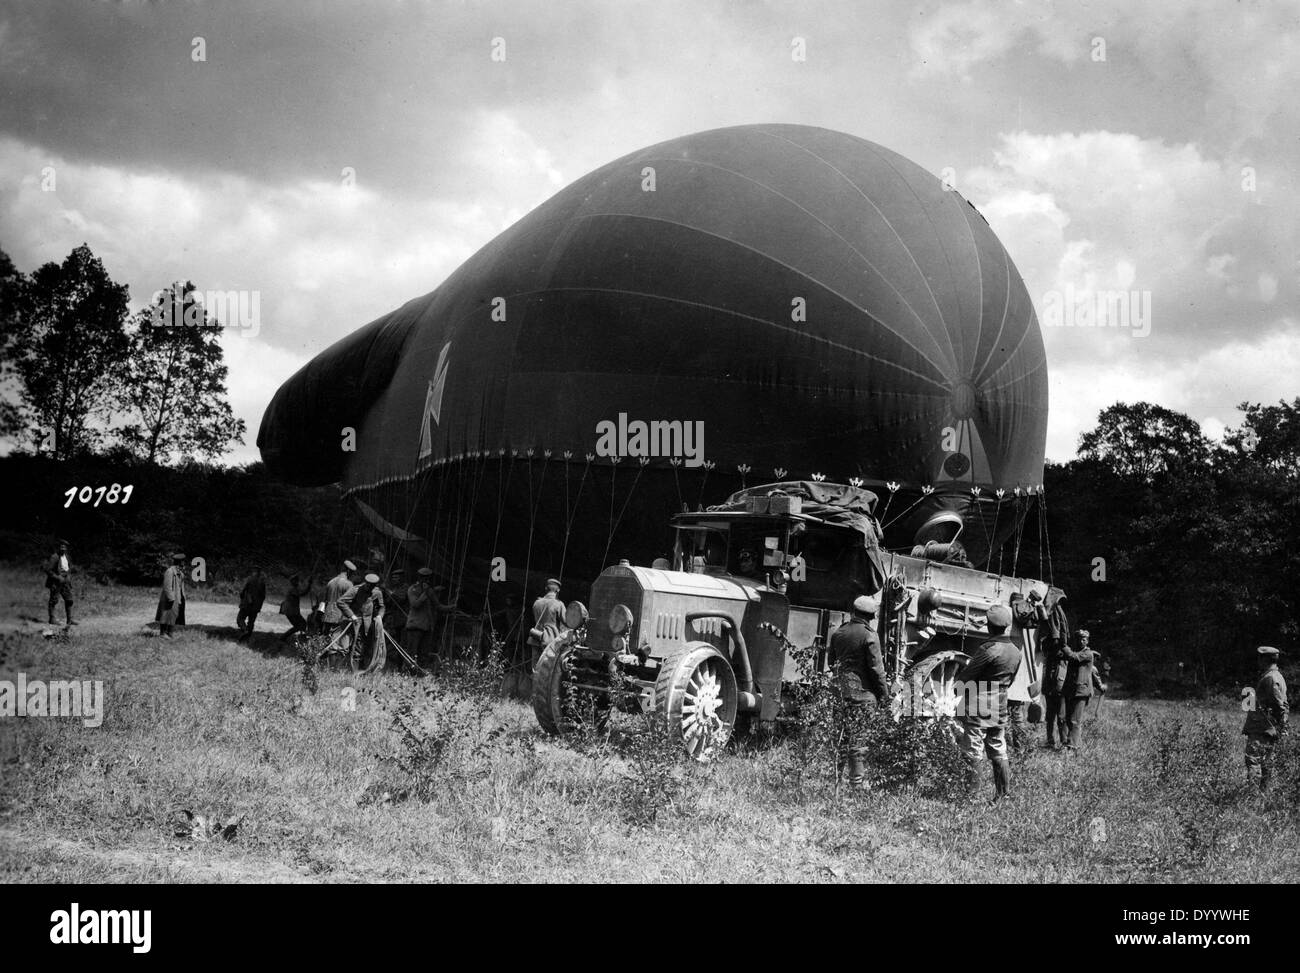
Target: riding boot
[[67, 614], [973, 777], [1001, 778]]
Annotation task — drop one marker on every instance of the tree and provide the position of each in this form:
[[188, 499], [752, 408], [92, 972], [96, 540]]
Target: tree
[[1270, 436], [175, 393], [1145, 440], [13, 286], [72, 344]]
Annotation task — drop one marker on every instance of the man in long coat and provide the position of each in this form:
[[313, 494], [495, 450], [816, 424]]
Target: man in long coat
[[986, 677], [171, 600], [855, 651]]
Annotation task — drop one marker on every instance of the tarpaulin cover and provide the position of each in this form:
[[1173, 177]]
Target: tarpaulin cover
[[834, 503]]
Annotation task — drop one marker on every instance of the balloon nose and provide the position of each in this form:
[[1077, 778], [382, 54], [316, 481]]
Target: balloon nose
[[963, 400]]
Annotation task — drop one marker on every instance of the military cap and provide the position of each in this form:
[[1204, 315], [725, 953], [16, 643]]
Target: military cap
[[552, 583], [372, 578], [60, 543], [999, 617], [178, 556], [866, 604], [425, 572], [1268, 652], [349, 565]]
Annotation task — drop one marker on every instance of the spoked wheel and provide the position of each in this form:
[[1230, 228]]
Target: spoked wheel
[[933, 688], [697, 697]]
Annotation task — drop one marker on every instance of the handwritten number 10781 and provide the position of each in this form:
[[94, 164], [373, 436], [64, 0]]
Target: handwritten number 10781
[[108, 494]]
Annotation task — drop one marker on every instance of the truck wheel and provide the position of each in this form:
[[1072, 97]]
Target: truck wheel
[[932, 682], [549, 688], [697, 698]]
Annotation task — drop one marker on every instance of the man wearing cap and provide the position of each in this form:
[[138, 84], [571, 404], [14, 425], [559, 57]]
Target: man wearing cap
[[364, 604], [548, 619], [58, 578], [1266, 718], [171, 600], [855, 650], [335, 589], [986, 678], [1077, 688], [421, 624]]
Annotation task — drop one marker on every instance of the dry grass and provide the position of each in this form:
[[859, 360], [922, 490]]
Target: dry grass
[[223, 729]]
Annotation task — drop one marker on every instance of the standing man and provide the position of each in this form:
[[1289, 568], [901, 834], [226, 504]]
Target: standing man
[[1266, 718], [336, 589], [1054, 636], [1077, 689], [396, 605], [548, 619], [365, 604], [58, 578], [986, 677], [171, 600], [417, 637], [855, 649], [251, 599]]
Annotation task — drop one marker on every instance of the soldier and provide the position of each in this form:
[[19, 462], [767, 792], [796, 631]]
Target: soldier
[[364, 604], [336, 589], [548, 619], [1054, 633], [1266, 719], [987, 676], [855, 649], [1076, 691], [444, 620], [417, 637], [251, 598], [748, 565], [58, 578], [171, 600], [291, 607], [396, 604]]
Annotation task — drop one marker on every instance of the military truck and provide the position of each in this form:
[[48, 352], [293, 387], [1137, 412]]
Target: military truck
[[709, 637]]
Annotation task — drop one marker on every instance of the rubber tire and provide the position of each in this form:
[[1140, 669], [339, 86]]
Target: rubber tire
[[548, 683], [670, 689]]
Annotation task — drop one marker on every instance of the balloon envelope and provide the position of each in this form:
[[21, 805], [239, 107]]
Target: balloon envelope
[[802, 301]]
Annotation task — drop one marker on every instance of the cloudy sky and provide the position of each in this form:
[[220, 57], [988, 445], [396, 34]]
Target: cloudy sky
[[340, 158]]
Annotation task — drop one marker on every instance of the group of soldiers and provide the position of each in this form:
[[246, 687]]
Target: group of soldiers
[[1072, 676], [359, 611]]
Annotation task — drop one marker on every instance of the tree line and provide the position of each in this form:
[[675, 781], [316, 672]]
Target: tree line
[[83, 376]]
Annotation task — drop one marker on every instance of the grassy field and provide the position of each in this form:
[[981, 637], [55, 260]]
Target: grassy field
[[325, 791]]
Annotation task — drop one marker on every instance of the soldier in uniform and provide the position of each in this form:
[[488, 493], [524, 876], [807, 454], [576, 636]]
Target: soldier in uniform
[[855, 650], [1076, 691], [171, 599], [987, 676], [548, 619], [1054, 636], [1266, 719], [365, 604], [336, 589], [58, 578], [251, 598]]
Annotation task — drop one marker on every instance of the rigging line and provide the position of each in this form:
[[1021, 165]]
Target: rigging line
[[997, 510], [528, 558], [1040, 537], [1047, 537], [568, 527], [496, 534], [678, 483], [628, 499], [704, 482], [613, 481], [904, 513], [478, 483], [1022, 514]]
